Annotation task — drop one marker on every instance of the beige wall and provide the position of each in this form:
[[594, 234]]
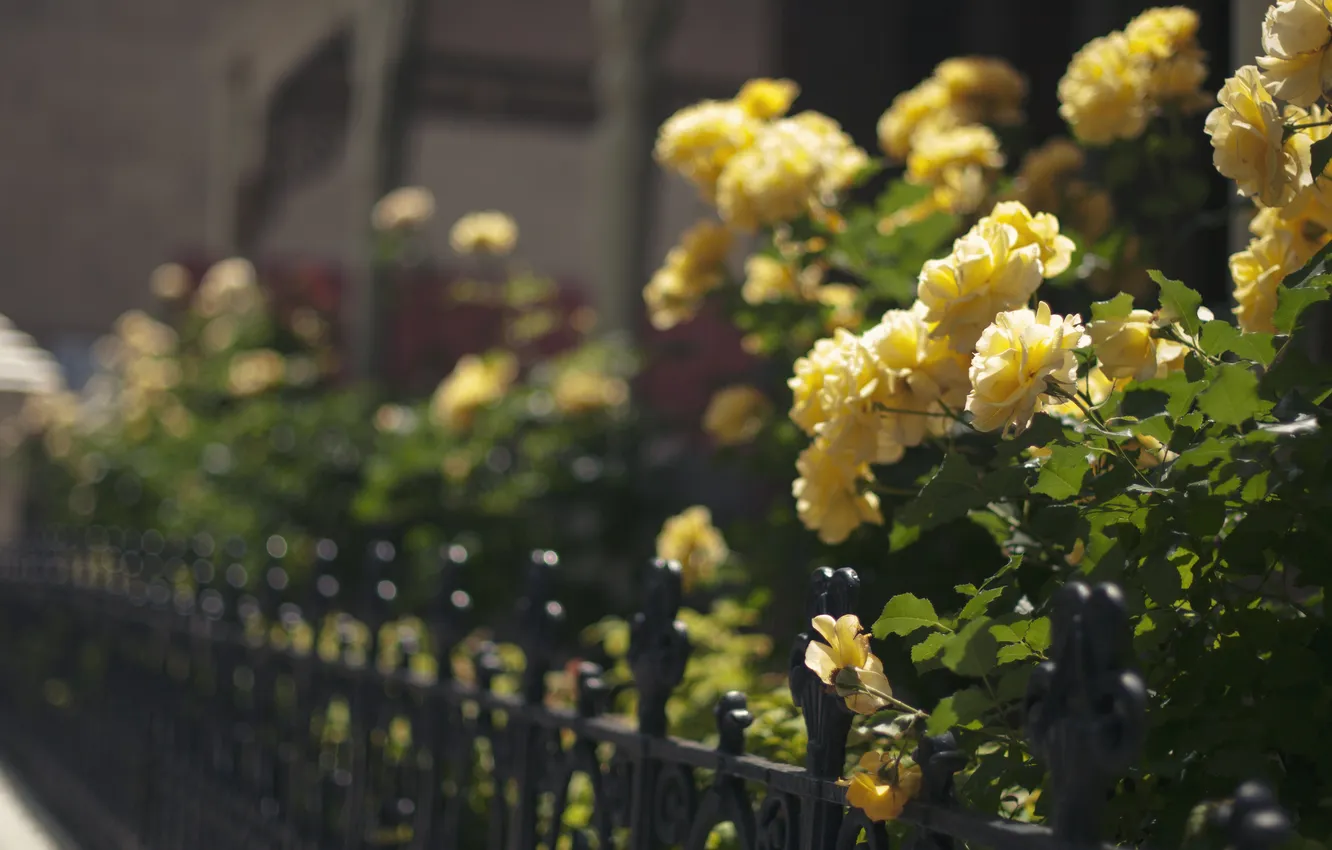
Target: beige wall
[[104, 143]]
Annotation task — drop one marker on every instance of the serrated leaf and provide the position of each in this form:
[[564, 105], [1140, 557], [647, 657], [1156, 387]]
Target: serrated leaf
[[1292, 301], [1231, 396], [1014, 652], [958, 487], [1062, 473], [902, 536], [904, 614], [1038, 634], [1178, 302], [967, 590], [1155, 426], [930, 647], [1206, 453], [979, 603], [963, 709], [1116, 308], [1219, 337], [1006, 633]]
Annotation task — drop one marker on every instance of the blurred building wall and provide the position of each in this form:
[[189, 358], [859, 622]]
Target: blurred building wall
[[104, 150]]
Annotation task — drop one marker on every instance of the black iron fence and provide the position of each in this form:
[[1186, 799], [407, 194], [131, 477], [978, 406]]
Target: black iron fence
[[155, 714]]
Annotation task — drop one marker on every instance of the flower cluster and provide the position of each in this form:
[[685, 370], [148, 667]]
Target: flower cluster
[[475, 382], [692, 270], [1116, 83], [940, 130], [691, 540], [1267, 149]]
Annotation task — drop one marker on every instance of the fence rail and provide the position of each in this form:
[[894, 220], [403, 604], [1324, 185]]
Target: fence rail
[[170, 721]]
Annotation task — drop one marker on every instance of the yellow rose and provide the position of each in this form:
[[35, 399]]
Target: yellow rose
[[1257, 271], [928, 104], [938, 152], [765, 99], [843, 301], [1162, 32], [985, 273], [983, 89], [691, 540], [844, 654], [252, 372], [474, 383], [1247, 135], [487, 232], [794, 165], [578, 390], [403, 209], [1103, 94], [1179, 80], [698, 141], [1126, 349], [1041, 230], [919, 376], [735, 415], [1020, 360], [1296, 37], [768, 279], [833, 399], [832, 494], [882, 799], [692, 270]]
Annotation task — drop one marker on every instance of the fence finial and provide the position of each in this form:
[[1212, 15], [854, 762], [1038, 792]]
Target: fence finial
[[1085, 707], [539, 616], [658, 646], [1252, 819], [827, 719], [451, 605], [733, 718]]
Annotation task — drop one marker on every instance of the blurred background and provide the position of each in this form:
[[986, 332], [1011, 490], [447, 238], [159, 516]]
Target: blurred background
[[143, 131]]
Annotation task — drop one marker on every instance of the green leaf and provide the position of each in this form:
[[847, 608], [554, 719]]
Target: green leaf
[[964, 708], [973, 650], [957, 487], [1206, 453], [1317, 265], [904, 614], [1178, 302], [930, 647], [901, 194], [902, 536], [1014, 652], [1062, 473], [1008, 634], [978, 603], [1219, 337], [1293, 300], [1038, 634], [1320, 154], [1231, 396], [1116, 308]]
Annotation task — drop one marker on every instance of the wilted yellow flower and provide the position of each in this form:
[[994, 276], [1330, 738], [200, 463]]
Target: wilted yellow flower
[[1020, 360], [698, 141], [1044, 170], [403, 209], [765, 98], [985, 273], [833, 495], [1250, 148], [1103, 94], [691, 540], [735, 415], [845, 660], [692, 270], [937, 153], [793, 166], [919, 376], [928, 104], [252, 372], [1041, 230], [474, 383], [489, 232], [983, 89], [578, 390], [768, 279], [1296, 38], [883, 791], [833, 391], [1257, 271], [170, 281], [228, 287], [1126, 348]]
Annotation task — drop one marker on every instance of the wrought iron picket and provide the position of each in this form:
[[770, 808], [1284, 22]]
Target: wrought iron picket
[[173, 717]]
